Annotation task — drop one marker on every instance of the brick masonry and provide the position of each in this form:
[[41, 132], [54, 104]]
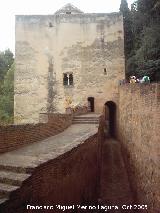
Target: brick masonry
[[60, 181], [15, 136], [138, 130]]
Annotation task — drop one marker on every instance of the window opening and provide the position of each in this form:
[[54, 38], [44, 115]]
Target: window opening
[[50, 24], [67, 79], [71, 79]]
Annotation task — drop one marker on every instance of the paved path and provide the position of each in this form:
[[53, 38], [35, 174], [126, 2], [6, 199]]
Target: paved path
[[114, 186], [38, 152]]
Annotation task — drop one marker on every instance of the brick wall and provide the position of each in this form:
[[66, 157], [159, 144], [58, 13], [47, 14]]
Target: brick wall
[[14, 136], [78, 110], [139, 132], [70, 179]]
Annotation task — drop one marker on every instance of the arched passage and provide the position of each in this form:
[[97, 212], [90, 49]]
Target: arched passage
[[110, 116], [90, 104]]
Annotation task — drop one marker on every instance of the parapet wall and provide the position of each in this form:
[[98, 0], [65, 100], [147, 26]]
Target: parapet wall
[[138, 131], [69, 178], [14, 136]]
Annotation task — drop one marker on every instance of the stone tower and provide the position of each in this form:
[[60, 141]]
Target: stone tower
[[69, 57]]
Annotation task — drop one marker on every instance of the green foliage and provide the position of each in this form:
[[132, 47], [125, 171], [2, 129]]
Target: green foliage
[[128, 36], [6, 60], [144, 56], [7, 97], [124, 7]]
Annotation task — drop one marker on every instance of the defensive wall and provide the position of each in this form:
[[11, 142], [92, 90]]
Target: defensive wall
[[15, 136], [138, 131], [68, 177]]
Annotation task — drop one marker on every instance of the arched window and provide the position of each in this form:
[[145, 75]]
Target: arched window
[[70, 79], [67, 79]]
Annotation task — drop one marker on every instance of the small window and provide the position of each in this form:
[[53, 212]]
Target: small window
[[50, 24], [105, 71], [67, 79], [68, 12], [71, 79]]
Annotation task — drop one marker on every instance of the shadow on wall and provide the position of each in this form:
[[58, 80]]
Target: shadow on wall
[[110, 118]]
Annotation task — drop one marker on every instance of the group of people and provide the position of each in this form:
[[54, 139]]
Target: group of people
[[145, 79]]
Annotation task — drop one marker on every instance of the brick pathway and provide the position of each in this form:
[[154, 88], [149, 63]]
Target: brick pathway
[[33, 153], [114, 186]]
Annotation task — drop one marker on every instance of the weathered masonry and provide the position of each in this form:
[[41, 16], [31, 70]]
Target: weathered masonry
[[67, 59]]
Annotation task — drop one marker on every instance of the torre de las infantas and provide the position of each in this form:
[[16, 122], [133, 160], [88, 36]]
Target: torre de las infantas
[[83, 138], [67, 59]]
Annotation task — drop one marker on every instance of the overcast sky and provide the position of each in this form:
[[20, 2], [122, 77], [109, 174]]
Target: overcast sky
[[10, 8]]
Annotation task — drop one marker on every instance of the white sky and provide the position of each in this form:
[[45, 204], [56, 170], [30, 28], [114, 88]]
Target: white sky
[[10, 8]]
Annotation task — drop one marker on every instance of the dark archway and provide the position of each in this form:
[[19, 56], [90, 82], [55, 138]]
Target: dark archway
[[90, 104], [110, 116]]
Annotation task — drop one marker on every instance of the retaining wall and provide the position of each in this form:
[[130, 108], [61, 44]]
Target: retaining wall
[[139, 133]]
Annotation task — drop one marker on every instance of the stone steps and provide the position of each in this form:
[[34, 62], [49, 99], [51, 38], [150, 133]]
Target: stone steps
[[3, 200], [17, 169], [86, 117], [91, 119], [86, 120], [6, 189], [13, 178]]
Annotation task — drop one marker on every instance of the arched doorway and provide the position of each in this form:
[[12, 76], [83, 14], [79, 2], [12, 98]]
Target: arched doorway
[[110, 116], [90, 104]]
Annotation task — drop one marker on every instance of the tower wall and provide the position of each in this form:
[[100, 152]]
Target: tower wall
[[90, 46]]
